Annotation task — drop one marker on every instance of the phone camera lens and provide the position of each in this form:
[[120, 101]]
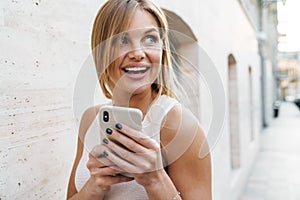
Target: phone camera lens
[[105, 116]]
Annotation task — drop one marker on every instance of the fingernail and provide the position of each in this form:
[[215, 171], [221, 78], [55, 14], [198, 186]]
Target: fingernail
[[100, 156], [109, 131], [118, 126], [105, 154], [105, 141]]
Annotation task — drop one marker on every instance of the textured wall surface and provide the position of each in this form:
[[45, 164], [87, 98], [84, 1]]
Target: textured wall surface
[[43, 45]]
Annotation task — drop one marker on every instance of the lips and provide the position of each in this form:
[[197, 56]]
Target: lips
[[136, 70]]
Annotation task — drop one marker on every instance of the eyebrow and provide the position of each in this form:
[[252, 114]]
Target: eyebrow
[[151, 30], [125, 34]]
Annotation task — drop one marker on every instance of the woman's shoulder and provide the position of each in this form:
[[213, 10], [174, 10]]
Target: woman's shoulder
[[171, 124], [88, 117], [173, 117], [91, 112], [178, 119], [179, 114]]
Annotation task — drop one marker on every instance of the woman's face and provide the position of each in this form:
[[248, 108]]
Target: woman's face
[[137, 55]]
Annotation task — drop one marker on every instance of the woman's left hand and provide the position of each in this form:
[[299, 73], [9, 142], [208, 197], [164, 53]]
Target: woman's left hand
[[140, 155]]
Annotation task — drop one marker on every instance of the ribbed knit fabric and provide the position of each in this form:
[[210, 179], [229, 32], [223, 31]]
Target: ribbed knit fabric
[[151, 125]]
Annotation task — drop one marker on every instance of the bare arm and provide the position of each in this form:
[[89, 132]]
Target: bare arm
[[86, 120], [93, 189], [190, 173], [71, 186]]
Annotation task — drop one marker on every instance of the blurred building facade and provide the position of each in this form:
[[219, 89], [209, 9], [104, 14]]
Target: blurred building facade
[[288, 76], [238, 36]]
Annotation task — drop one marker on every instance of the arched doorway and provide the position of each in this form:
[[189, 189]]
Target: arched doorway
[[184, 50], [251, 103], [233, 112]]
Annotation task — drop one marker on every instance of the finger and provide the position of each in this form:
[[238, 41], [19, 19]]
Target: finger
[[98, 163], [107, 181], [137, 136], [117, 168], [145, 162], [121, 152], [107, 176], [97, 150], [103, 171], [125, 141], [100, 160], [122, 164], [130, 138]]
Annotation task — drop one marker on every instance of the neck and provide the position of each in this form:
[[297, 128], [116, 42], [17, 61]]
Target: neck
[[141, 100]]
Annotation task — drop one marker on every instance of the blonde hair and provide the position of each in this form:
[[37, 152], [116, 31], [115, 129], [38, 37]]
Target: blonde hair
[[113, 18]]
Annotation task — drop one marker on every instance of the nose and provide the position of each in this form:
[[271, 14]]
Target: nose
[[137, 54]]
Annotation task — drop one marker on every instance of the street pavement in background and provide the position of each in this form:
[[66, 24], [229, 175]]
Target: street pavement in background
[[276, 171]]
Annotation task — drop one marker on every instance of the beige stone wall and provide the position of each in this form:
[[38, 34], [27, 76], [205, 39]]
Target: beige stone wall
[[43, 45]]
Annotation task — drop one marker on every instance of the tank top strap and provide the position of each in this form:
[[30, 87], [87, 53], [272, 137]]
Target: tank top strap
[[158, 110]]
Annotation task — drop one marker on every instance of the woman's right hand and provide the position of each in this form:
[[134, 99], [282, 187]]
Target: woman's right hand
[[103, 173]]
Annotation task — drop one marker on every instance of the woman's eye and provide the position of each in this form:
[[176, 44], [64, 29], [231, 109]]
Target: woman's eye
[[124, 41], [150, 40]]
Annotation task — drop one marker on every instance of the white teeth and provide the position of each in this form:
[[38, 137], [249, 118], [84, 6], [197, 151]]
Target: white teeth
[[135, 69]]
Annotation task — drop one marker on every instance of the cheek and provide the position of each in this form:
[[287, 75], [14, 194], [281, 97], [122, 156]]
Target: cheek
[[116, 63], [114, 72], [155, 56], [116, 59]]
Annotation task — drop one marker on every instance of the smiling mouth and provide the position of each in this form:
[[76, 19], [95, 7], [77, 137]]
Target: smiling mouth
[[135, 70]]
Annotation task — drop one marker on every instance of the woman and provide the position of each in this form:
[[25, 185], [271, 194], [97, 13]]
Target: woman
[[132, 56]]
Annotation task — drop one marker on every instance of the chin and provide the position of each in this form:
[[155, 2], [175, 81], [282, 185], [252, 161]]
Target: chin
[[139, 89]]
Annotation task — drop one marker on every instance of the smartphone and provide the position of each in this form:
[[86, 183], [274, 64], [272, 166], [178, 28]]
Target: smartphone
[[110, 115]]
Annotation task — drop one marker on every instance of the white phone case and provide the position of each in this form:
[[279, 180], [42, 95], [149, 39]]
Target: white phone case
[[111, 115]]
